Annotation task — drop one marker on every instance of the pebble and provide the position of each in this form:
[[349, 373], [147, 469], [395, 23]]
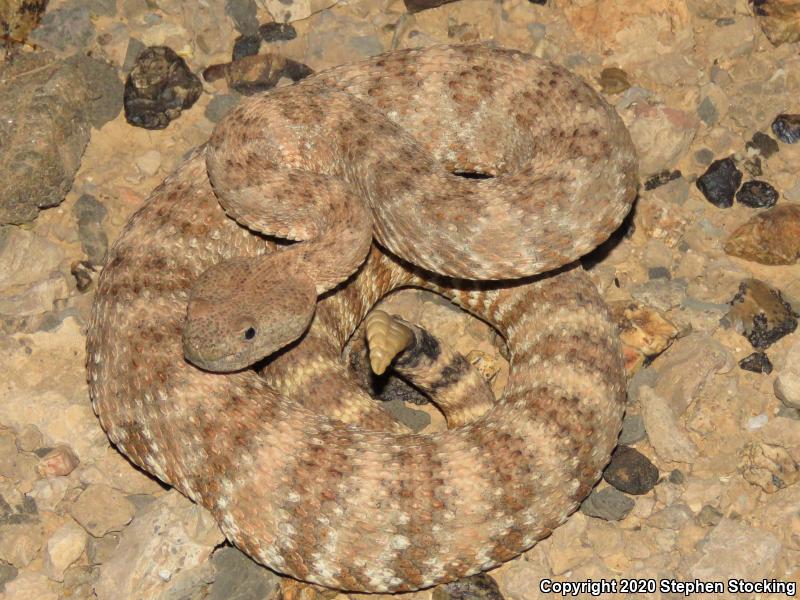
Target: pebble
[[100, 509], [149, 163], [106, 89], [49, 492], [65, 30], [672, 517], [90, 214], [21, 539], [64, 547], [100, 550], [757, 362], [220, 105], [757, 194], [159, 87], [244, 15], [630, 471], [417, 5], [756, 422], [58, 462], [613, 80], [32, 585], [476, 587], [787, 384], [608, 503], [632, 430], [759, 313], [664, 431], [720, 182], [254, 74], [709, 516], [787, 128], [763, 144], [239, 578], [771, 237], [778, 20], [277, 32], [661, 178], [29, 438]]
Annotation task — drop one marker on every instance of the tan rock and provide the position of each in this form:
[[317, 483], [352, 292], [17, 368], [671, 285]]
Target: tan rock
[[59, 462], [100, 509], [771, 237], [64, 547], [780, 20], [769, 467]]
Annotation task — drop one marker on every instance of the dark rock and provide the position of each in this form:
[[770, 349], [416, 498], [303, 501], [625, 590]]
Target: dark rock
[[106, 89], [704, 156], [103, 7], [99, 550], [94, 241], [753, 166], [757, 362], [707, 112], [254, 74], [277, 32], [246, 45], [132, 52], [771, 237], [760, 314], [415, 420], [630, 471], [632, 430], [661, 178], [220, 105], [7, 573], [18, 19], [243, 13], [43, 133], [787, 128], [239, 578], [720, 182], [476, 587], [757, 194], [765, 145], [65, 30], [158, 88], [79, 581], [417, 5], [658, 273], [609, 504], [540, 2]]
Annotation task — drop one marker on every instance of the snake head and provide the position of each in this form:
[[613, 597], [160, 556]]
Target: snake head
[[243, 310]]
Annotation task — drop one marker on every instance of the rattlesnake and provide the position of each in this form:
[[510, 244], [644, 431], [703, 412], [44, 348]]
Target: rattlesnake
[[348, 506]]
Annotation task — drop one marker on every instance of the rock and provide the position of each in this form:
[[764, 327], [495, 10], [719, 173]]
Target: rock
[[239, 578], [149, 163], [476, 587], [7, 573], [277, 32], [253, 74], [21, 539], [90, 214], [661, 178], [787, 384], [668, 438], [779, 20], [735, 550], [632, 430], [763, 144], [768, 466], [106, 89], [58, 462], [712, 9], [630, 471], [100, 550], [757, 362], [661, 135], [159, 88], [514, 579], [48, 493], [608, 503], [296, 10], [759, 313], [31, 585], [174, 538], [672, 517], [660, 294], [64, 547], [677, 477], [18, 18], [756, 422], [787, 128], [246, 45], [29, 438], [221, 105], [709, 516], [757, 194], [100, 509], [720, 182], [417, 5], [771, 237], [65, 30], [79, 582], [642, 328], [613, 80], [244, 15], [42, 135], [565, 549]]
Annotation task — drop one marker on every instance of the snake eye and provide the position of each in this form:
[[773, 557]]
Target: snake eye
[[249, 333]]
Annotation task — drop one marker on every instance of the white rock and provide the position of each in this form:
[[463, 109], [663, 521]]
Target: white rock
[[787, 385], [64, 547]]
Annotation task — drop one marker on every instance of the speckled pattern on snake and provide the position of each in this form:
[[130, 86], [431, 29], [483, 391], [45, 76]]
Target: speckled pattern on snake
[[349, 505]]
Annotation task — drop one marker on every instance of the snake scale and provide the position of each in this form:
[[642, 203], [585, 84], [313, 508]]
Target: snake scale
[[299, 469]]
